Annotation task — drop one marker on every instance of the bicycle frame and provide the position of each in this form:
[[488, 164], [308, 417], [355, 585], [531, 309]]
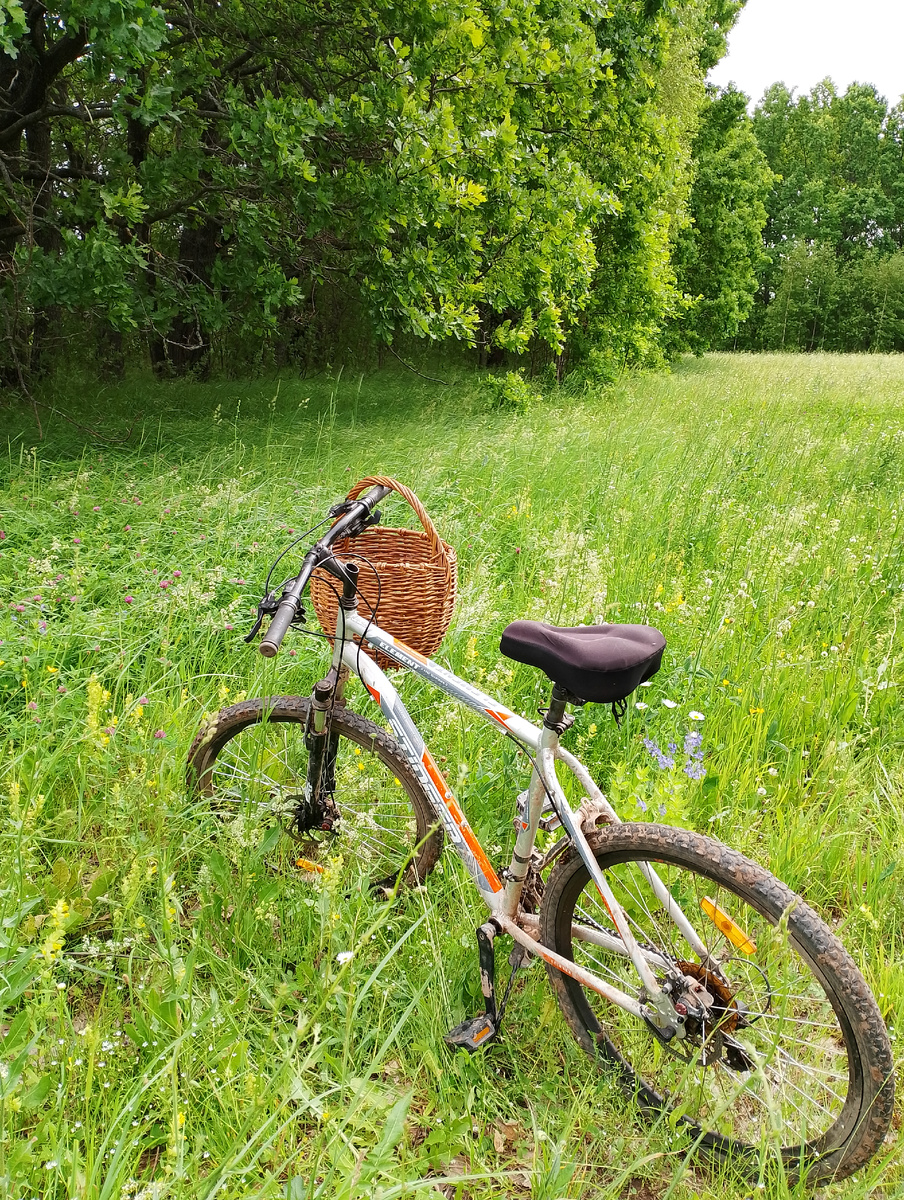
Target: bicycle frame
[[501, 893]]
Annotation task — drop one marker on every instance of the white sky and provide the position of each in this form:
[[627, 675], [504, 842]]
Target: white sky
[[800, 42]]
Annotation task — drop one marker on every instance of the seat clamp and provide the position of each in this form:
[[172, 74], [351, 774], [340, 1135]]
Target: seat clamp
[[561, 726]]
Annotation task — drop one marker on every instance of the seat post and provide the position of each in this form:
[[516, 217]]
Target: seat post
[[555, 716]]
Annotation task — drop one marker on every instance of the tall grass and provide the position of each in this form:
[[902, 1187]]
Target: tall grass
[[178, 1023]]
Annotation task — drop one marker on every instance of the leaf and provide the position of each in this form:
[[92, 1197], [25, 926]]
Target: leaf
[[37, 1093]]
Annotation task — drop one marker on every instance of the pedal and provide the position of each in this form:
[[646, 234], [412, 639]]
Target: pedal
[[471, 1035], [549, 820]]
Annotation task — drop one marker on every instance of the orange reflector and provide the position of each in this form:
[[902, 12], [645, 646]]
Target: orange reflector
[[723, 921], [307, 865]]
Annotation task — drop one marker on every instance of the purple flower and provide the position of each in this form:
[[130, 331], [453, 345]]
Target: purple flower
[[164, 583], [2, 535], [32, 706], [62, 689], [159, 734], [230, 626], [130, 599], [663, 761], [42, 625], [142, 700], [692, 742], [96, 508], [128, 527], [642, 805], [694, 769], [177, 574], [77, 541]]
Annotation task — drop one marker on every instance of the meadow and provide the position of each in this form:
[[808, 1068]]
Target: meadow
[[180, 1017]]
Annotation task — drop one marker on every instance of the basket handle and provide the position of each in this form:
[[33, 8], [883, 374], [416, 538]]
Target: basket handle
[[439, 550]]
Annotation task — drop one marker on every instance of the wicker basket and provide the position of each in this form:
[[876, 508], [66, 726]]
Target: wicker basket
[[413, 574]]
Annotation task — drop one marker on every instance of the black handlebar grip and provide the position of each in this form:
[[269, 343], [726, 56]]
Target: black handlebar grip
[[282, 619]]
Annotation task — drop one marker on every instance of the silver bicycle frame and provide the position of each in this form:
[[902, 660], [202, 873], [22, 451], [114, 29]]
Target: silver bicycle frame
[[502, 894]]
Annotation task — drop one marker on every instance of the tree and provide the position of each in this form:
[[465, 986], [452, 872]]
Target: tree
[[719, 253]]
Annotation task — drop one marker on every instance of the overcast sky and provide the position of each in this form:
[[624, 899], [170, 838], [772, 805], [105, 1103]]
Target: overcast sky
[[800, 42]]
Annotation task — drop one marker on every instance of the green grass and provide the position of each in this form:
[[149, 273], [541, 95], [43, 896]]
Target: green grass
[[178, 1022]]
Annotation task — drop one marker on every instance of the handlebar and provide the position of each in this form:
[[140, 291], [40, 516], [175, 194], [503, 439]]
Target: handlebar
[[354, 516]]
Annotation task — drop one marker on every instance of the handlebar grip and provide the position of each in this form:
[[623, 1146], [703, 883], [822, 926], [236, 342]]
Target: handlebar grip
[[282, 619]]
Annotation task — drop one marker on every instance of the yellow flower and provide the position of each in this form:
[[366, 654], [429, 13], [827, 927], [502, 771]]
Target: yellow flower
[[754, 711], [181, 1119], [53, 670]]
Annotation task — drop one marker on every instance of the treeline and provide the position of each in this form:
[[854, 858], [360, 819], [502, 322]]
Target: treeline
[[833, 271], [257, 182]]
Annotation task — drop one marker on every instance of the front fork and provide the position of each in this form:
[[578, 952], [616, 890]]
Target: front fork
[[320, 742]]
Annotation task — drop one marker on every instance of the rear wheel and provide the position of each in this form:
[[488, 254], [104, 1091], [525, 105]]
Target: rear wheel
[[373, 813], [785, 1048]]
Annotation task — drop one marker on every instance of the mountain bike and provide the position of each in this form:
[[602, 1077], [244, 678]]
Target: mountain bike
[[716, 996]]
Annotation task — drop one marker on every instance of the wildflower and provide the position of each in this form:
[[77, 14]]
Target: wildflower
[[695, 716], [128, 527], [517, 549], [641, 804], [230, 626], [96, 508], [159, 734], [754, 711], [61, 689], [77, 541], [670, 703], [663, 761], [32, 706], [344, 956], [142, 700], [692, 742], [130, 599], [2, 535], [177, 574], [640, 704], [694, 769], [773, 771]]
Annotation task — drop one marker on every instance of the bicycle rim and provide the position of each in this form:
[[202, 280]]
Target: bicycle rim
[[791, 1034], [253, 765]]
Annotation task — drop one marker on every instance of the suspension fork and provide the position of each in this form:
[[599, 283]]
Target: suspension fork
[[320, 742]]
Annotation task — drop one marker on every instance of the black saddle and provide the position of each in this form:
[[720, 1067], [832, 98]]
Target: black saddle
[[601, 664]]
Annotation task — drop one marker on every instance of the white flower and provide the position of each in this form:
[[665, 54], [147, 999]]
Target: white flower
[[761, 791], [344, 956], [695, 716], [670, 703], [640, 704], [773, 771]]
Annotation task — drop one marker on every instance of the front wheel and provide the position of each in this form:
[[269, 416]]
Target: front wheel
[[784, 1046], [373, 814]]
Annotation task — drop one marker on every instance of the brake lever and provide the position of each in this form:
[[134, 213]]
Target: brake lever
[[265, 608]]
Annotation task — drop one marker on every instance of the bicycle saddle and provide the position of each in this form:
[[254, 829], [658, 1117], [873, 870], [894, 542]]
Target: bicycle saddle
[[600, 664]]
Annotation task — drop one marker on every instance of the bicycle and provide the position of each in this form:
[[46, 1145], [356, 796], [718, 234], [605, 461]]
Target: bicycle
[[718, 997]]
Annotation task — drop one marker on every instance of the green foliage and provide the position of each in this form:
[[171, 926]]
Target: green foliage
[[510, 392], [508, 177], [717, 256], [835, 231]]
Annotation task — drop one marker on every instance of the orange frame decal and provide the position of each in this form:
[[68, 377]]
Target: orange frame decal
[[461, 821]]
